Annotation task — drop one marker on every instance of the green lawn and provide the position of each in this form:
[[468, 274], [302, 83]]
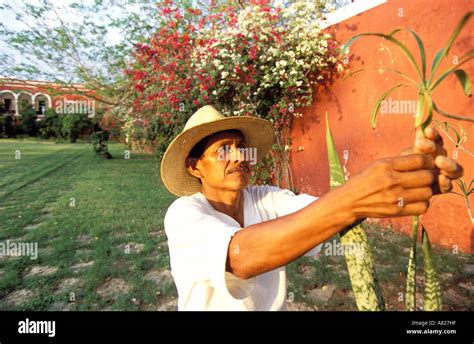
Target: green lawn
[[98, 225], [99, 229]]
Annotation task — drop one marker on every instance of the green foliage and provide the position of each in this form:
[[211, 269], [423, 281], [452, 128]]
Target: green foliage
[[7, 126], [73, 124], [51, 125], [425, 84], [361, 269], [432, 299], [410, 294], [99, 143], [29, 125]]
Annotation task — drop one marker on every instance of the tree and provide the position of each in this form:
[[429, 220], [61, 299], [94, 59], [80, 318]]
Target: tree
[[75, 43], [29, 123], [51, 124]]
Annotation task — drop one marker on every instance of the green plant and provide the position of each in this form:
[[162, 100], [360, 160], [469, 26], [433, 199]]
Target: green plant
[[73, 124], [425, 83], [466, 191], [51, 124], [29, 125], [9, 128], [99, 143], [361, 269]]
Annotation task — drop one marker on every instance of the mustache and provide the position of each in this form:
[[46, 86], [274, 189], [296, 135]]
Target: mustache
[[242, 168]]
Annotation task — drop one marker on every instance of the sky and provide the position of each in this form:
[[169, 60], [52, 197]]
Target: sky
[[68, 15]]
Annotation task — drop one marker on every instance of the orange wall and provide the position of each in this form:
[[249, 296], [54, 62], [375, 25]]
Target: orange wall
[[349, 104]]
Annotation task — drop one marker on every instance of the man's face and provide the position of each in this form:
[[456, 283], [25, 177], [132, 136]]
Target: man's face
[[222, 165]]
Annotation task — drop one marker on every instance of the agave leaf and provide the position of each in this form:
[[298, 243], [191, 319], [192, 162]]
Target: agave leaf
[[361, 267], [395, 41], [403, 75], [432, 296], [379, 102], [410, 297], [445, 51], [457, 30], [458, 137], [420, 110], [421, 47], [428, 119], [465, 58], [439, 55], [465, 81]]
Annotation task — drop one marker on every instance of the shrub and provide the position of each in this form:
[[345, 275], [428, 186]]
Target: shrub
[[51, 125], [73, 125], [29, 125]]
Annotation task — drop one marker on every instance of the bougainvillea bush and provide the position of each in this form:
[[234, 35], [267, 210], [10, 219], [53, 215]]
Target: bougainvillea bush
[[252, 60]]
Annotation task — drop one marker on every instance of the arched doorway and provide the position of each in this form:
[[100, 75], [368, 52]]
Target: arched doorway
[[24, 100], [42, 102], [7, 102]]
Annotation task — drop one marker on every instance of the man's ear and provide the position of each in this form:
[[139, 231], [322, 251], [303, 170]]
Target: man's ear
[[191, 165]]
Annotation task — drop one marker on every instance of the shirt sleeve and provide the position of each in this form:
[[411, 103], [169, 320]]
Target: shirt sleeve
[[198, 244], [286, 202]]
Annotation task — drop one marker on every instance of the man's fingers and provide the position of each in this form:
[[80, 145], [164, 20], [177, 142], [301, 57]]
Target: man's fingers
[[445, 184], [449, 167], [433, 134], [423, 145], [426, 146], [415, 195], [429, 133], [407, 151], [412, 162], [417, 208], [417, 179]]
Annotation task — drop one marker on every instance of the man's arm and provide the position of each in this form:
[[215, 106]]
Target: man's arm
[[398, 186]]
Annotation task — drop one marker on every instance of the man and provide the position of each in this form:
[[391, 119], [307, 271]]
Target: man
[[229, 242]]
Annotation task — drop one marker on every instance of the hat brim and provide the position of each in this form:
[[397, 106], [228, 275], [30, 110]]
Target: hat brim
[[258, 133]]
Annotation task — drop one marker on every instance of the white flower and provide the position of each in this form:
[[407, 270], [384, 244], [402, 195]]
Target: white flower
[[224, 75]]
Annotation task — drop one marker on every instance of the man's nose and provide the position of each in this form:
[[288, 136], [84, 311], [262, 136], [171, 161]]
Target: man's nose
[[237, 153]]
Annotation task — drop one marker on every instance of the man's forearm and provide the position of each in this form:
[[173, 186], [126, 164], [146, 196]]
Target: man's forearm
[[269, 245]]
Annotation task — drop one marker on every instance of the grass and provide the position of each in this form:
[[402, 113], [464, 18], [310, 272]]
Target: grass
[[390, 251], [82, 209], [99, 228]]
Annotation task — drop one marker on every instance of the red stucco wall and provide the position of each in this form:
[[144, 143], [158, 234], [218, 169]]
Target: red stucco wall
[[349, 105]]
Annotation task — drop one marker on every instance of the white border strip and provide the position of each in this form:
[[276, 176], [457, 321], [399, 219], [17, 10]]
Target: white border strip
[[349, 11]]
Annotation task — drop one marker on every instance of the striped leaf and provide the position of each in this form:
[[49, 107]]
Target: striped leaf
[[432, 297], [361, 267], [410, 294]]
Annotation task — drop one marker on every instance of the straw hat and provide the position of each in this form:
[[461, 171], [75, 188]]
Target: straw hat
[[258, 133]]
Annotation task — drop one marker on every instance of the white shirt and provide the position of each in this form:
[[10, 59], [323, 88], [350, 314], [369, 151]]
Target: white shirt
[[198, 239]]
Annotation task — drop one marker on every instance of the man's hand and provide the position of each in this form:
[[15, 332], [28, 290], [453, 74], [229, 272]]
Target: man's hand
[[432, 144], [397, 186]]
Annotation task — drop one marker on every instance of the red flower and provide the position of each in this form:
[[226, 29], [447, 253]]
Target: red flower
[[165, 11], [253, 53]]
